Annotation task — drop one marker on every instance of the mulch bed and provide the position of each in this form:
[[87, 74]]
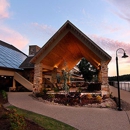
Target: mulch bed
[[72, 99], [76, 100], [5, 122]]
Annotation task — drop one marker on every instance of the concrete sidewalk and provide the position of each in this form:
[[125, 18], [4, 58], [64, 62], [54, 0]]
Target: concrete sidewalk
[[82, 118], [124, 95]]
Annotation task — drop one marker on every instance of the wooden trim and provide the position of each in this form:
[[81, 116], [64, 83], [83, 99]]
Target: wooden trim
[[7, 73]]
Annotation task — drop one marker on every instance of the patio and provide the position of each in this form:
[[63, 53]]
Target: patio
[[62, 52]]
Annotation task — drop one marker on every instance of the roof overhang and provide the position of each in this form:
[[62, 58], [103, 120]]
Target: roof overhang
[[68, 45]]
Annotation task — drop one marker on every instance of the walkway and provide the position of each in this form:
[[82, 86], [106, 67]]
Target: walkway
[[124, 95], [82, 118]]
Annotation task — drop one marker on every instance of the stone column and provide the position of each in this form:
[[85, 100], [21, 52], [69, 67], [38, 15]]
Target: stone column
[[103, 78], [100, 76], [38, 78]]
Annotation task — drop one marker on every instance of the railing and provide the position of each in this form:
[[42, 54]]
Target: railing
[[123, 85]]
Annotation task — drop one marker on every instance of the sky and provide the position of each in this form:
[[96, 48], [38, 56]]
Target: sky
[[33, 22]]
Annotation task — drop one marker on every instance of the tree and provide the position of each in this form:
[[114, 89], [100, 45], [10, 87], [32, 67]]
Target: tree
[[87, 70]]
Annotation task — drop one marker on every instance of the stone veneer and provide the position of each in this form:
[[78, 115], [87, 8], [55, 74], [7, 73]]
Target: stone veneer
[[103, 78], [38, 78]]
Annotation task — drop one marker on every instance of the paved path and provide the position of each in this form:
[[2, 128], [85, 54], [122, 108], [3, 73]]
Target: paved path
[[124, 95], [82, 118]]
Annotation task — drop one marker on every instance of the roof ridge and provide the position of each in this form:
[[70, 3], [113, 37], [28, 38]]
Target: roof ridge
[[71, 26], [83, 34], [10, 46]]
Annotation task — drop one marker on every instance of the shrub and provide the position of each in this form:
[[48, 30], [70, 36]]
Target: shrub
[[79, 89], [45, 91], [17, 121], [4, 94], [56, 89], [39, 94], [98, 98], [51, 96], [89, 96]]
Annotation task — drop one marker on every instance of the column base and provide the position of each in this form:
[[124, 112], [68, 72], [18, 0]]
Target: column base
[[105, 90]]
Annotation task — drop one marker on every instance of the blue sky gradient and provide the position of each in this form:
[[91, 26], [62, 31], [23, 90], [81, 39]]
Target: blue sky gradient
[[106, 22]]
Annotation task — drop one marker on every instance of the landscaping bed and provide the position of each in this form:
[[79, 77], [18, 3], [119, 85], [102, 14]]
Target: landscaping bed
[[13, 118], [9, 119], [77, 99]]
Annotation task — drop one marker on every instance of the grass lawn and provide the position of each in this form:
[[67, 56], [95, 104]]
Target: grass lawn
[[43, 121]]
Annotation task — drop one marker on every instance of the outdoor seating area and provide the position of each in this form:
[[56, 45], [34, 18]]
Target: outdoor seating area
[[82, 87], [54, 67]]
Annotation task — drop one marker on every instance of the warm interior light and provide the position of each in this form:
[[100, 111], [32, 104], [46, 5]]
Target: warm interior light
[[55, 66]]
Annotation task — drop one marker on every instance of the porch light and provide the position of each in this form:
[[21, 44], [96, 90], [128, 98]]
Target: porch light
[[56, 66]]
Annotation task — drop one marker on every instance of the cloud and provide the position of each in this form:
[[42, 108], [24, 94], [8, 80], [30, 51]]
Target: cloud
[[8, 34], [122, 8], [4, 5], [109, 28], [110, 46], [13, 37], [44, 29], [83, 12]]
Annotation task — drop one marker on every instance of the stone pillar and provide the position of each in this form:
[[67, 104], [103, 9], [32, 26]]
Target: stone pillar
[[103, 78], [100, 76], [38, 78]]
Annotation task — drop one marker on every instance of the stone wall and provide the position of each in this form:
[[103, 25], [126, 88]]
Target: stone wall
[[38, 78], [103, 78]]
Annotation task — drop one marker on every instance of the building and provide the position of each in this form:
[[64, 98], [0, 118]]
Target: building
[[62, 51]]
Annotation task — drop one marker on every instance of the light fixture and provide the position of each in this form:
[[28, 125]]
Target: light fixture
[[118, 85]]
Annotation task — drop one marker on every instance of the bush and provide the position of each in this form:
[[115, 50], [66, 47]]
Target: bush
[[17, 121], [99, 98], [45, 91], [39, 94], [56, 89], [89, 96], [4, 94]]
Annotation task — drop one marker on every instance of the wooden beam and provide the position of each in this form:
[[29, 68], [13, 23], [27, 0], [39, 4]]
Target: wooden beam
[[50, 47], [7, 72]]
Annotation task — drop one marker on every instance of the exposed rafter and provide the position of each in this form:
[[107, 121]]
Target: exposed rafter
[[69, 45]]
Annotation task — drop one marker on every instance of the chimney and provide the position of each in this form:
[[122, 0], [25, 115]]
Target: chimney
[[33, 49]]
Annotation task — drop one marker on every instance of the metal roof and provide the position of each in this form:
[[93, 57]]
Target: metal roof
[[26, 63], [10, 56]]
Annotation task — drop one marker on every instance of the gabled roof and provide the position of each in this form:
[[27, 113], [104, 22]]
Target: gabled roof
[[69, 45], [10, 56]]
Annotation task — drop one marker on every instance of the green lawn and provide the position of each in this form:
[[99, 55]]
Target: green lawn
[[45, 122]]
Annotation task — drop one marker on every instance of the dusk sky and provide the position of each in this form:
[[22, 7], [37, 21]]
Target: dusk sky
[[33, 22]]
